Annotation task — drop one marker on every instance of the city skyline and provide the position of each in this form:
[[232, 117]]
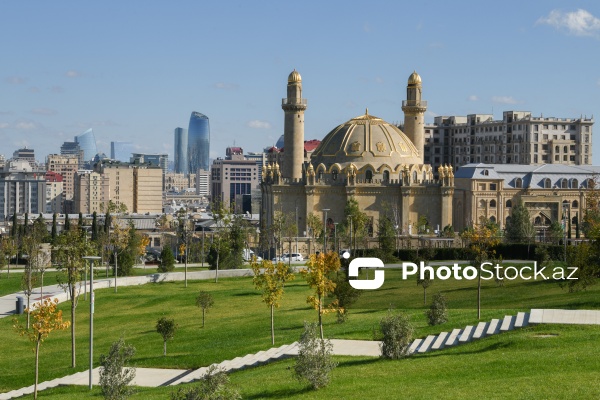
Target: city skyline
[[68, 72]]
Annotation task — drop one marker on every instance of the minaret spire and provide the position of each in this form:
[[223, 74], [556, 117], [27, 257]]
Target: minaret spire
[[293, 129]]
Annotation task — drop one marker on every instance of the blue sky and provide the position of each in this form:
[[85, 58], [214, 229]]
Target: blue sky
[[134, 71]]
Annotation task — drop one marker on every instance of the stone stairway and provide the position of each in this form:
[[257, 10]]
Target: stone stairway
[[468, 334], [249, 360]]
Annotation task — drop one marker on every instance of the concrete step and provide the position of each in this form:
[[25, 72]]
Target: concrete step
[[426, 345], [453, 337], [467, 334], [494, 327], [522, 320], [414, 346], [508, 323], [439, 341], [481, 330]]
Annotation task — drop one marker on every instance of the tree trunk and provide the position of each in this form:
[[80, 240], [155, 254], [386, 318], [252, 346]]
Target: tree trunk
[[164, 347], [73, 327], [479, 296], [320, 317], [42, 288], [28, 309], [37, 364], [217, 270], [203, 312], [116, 270], [272, 327]]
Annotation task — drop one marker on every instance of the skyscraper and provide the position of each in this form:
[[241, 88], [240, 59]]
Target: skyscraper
[[198, 142], [181, 151], [121, 151], [87, 143]]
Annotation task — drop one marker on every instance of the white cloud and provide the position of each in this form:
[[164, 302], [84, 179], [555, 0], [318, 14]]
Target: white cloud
[[256, 124], [227, 86], [16, 80], [73, 74], [473, 98], [25, 125], [504, 100], [4, 125], [578, 23], [44, 111], [431, 114]]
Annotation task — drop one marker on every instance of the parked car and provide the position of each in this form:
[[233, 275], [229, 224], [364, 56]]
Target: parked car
[[276, 259], [294, 257]]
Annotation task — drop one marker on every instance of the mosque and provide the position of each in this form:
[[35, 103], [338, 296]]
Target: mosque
[[366, 159]]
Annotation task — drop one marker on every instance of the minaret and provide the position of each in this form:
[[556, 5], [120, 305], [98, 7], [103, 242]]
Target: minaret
[[293, 128], [414, 113]]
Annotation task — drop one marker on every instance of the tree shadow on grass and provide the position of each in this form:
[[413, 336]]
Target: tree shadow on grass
[[280, 393]]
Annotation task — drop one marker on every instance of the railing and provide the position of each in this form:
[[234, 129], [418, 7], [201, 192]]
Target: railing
[[414, 103], [293, 102]]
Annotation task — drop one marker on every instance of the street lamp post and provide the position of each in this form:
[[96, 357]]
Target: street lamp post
[[565, 216], [91, 259], [335, 241], [202, 246], [325, 231]]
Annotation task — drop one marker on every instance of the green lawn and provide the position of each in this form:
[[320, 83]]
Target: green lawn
[[239, 324], [513, 365]]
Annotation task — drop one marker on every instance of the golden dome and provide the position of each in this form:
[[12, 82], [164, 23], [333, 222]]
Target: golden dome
[[294, 77], [363, 140], [413, 79]]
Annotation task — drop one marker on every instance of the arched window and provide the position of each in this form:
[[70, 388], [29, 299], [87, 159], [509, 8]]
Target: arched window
[[369, 175], [492, 203], [575, 204], [320, 174], [564, 184], [538, 220], [493, 219], [518, 183], [565, 149], [547, 183], [508, 203], [424, 176], [486, 172], [386, 176], [415, 176], [574, 183], [556, 149], [334, 174], [481, 203], [591, 184], [574, 220]]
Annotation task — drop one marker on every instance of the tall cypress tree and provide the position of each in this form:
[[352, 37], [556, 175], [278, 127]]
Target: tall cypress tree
[[67, 223], [26, 224], [53, 228], [80, 222], [107, 221], [94, 227], [13, 229]]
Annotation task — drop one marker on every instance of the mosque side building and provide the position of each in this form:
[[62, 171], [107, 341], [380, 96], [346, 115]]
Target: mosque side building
[[366, 159]]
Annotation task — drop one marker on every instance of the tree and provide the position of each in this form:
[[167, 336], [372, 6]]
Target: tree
[[114, 377], [518, 227], [54, 228], [271, 279], [214, 385], [424, 283], [423, 224], [386, 235], [70, 250], [555, 232], [314, 362], [94, 227], [481, 243], [9, 249], [67, 223], [314, 226], [318, 268], [167, 260], [357, 221], [204, 301], [344, 294], [438, 312], [166, 328], [46, 319], [221, 218], [35, 259], [396, 333]]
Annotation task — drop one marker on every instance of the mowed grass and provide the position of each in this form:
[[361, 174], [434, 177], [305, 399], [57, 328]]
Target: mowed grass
[[515, 365], [239, 324]]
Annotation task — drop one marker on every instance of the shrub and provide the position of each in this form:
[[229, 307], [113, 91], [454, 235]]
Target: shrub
[[396, 333], [214, 385], [166, 328], [167, 260], [438, 311], [314, 363], [114, 378]]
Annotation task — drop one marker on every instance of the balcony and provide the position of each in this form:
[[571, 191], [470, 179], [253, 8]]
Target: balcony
[[293, 102], [414, 103]]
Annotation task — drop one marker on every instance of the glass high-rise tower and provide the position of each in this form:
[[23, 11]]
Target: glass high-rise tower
[[198, 142], [121, 151], [87, 143], [180, 151]]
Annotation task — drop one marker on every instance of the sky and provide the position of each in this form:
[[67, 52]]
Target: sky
[[134, 71]]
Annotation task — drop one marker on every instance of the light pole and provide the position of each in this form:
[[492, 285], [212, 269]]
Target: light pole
[[202, 246], [565, 216], [325, 231], [91, 259], [335, 241]]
